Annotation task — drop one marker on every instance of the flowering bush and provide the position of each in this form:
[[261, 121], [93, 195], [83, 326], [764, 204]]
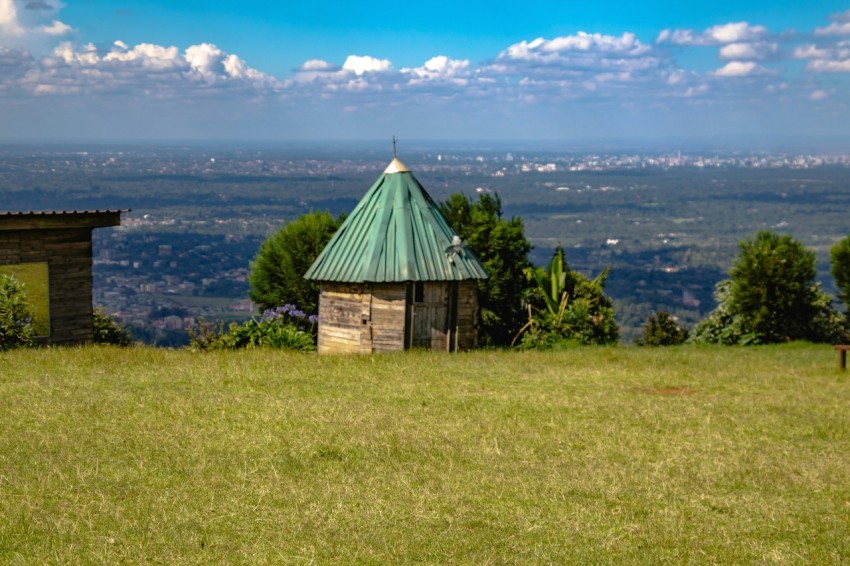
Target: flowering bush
[[16, 329], [285, 327]]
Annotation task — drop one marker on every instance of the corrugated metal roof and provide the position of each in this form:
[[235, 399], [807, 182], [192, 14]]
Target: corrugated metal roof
[[396, 233], [59, 212]]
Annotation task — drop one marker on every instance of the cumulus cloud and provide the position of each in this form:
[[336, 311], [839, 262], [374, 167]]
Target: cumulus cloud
[[556, 50], [751, 51], [32, 27], [440, 69], [818, 95], [827, 59], [365, 64], [740, 69], [736, 32], [840, 25]]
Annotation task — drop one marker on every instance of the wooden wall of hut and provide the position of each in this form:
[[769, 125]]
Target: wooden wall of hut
[[68, 254], [389, 317]]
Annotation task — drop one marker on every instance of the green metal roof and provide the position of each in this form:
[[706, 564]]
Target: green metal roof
[[395, 233]]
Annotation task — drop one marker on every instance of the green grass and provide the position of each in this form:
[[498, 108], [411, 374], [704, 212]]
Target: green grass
[[593, 455]]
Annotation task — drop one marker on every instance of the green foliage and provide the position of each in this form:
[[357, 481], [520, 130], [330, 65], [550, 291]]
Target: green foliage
[[503, 249], [662, 329], [771, 297], [568, 307], [277, 273], [284, 328], [108, 331], [16, 329], [840, 266]]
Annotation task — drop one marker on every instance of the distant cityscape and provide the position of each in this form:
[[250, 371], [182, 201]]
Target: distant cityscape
[[200, 214]]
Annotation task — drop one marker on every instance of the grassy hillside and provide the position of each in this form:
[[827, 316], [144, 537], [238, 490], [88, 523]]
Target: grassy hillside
[[715, 455]]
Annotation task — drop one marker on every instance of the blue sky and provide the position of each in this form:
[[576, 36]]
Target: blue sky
[[552, 71]]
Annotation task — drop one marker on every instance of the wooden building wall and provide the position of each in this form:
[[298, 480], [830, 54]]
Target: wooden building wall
[[389, 317], [68, 254]]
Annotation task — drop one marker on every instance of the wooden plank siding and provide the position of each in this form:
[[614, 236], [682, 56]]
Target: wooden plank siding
[[390, 317], [68, 254]]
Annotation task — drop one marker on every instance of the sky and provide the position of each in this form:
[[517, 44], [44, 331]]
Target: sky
[[561, 72]]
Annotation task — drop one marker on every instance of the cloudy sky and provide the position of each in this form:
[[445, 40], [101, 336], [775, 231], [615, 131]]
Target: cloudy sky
[[266, 70]]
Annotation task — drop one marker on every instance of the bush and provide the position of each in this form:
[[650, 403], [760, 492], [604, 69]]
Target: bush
[[567, 307], [286, 328], [107, 331], [16, 329], [661, 329]]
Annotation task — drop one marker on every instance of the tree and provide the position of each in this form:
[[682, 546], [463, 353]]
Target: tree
[[662, 329], [503, 249], [566, 306], [16, 329], [771, 297], [840, 264], [277, 273]]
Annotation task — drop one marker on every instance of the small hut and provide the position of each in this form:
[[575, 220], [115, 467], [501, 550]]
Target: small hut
[[396, 276], [51, 252]]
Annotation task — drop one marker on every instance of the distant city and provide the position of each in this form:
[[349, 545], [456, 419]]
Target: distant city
[[667, 223]]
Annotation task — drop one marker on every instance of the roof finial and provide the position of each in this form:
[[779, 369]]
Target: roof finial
[[395, 152]]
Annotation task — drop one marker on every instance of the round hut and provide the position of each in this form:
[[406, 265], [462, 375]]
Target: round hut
[[396, 276]]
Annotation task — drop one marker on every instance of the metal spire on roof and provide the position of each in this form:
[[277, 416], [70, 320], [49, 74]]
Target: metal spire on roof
[[396, 166]]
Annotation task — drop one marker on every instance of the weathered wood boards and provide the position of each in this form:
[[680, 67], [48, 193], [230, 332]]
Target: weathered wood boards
[[388, 317]]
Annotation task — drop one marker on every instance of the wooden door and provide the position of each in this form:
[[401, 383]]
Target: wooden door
[[430, 316]]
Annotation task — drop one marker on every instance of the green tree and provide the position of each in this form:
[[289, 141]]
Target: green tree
[[16, 329], [277, 273], [771, 297], [503, 249], [662, 329], [840, 264], [566, 306]]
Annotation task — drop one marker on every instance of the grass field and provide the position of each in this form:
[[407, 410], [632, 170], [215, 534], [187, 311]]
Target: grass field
[[592, 455]]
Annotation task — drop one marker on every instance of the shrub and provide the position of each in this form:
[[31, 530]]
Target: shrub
[[661, 329], [286, 328], [16, 329], [108, 331], [567, 307]]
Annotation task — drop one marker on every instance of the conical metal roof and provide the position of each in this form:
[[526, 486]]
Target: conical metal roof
[[396, 233]]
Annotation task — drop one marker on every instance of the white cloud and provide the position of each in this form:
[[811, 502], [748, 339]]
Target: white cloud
[[818, 95], [840, 25], [32, 29], [560, 48], [811, 52], [829, 66], [739, 69], [736, 32], [440, 69], [365, 64], [56, 28], [757, 51]]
